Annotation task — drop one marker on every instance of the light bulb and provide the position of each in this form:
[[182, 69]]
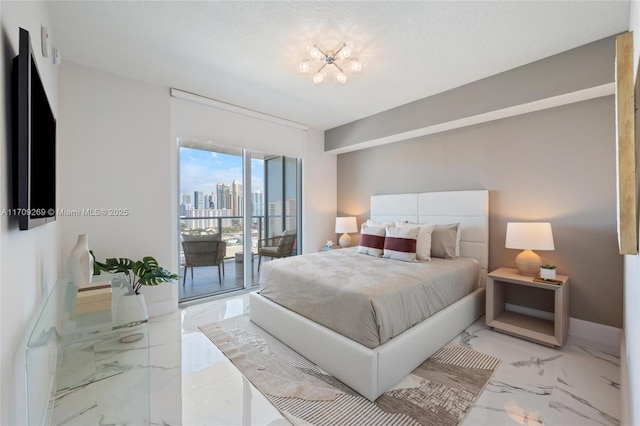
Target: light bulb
[[315, 53], [340, 77], [318, 78], [355, 65], [303, 66], [345, 52]]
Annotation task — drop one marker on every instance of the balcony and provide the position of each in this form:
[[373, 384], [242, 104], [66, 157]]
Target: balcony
[[205, 279]]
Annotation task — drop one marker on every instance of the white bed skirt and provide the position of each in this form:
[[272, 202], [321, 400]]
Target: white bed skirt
[[370, 372]]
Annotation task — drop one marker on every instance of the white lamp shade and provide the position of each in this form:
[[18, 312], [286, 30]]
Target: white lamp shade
[[529, 236], [346, 225], [355, 65], [345, 52], [315, 53], [304, 66]]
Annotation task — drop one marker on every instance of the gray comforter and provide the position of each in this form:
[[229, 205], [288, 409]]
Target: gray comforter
[[366, 298]]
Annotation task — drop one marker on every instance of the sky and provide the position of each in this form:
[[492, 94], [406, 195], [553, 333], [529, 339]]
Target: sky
[[203, 170]]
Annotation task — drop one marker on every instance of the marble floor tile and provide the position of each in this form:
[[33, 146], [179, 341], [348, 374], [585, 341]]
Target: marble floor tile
[[577, 384]]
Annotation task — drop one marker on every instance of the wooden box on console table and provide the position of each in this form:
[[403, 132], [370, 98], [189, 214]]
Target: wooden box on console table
[[93, 297], [550, 332]]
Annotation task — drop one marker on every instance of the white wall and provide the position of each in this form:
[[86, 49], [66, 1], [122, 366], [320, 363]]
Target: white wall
[[631, 402], [320, 195], [115, 153], [29, 262]]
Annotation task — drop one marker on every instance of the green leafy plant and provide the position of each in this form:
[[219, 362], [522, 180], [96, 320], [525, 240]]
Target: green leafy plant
[[548, 266], [142, 272]]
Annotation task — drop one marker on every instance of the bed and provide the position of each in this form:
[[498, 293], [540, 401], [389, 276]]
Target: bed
[[373, 370]]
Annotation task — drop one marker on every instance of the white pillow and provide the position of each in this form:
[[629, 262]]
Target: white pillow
[[401, 243], [458, 241], [423, 249], [378, 224], [371, 240], [443, 241]]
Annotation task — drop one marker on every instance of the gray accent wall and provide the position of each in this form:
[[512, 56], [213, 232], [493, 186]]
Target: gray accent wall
[[584, 67], [555, 165]]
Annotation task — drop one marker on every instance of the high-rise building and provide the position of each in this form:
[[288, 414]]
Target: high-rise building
[[257, 203], [275, 218], [184, 208], [290, 213], [236, 198], [185, 205], [198, 200], [223, 192]]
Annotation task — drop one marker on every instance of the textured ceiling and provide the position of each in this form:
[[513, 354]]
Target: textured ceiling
[[246, 53]]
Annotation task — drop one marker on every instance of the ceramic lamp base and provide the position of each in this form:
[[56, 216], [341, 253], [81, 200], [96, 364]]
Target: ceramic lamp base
[[528, 263], [345, 240]]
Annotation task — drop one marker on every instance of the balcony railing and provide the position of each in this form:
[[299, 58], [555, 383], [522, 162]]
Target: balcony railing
[[229, 227], [231, 230]]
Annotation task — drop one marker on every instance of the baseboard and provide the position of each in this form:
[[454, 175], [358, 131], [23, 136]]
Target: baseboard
[[625, 391], [594, 331], [577, 327]]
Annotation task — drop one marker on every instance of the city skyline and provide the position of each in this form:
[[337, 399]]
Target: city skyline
[[203, 170], [226, 198]]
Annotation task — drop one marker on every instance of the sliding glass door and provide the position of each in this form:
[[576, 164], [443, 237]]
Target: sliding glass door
[[237, 197], [284, 188]]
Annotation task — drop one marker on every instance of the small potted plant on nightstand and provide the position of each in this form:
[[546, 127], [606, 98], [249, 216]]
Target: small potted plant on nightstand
[[547, 271]]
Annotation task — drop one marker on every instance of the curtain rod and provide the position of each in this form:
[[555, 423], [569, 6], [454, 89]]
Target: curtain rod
[[180, 94]]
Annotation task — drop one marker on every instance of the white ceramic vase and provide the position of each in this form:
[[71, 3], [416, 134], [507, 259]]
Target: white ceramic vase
[[80, 262]]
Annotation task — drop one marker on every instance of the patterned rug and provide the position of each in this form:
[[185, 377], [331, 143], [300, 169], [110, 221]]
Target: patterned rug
[[441, 391]]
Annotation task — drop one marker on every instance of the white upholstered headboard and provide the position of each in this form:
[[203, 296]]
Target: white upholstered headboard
[[470, 208]]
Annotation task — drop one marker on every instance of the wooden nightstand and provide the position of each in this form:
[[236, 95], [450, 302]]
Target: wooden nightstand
[[548, 332]]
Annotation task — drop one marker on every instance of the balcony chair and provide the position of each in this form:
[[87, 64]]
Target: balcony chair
[[203, 250], [277, 247]]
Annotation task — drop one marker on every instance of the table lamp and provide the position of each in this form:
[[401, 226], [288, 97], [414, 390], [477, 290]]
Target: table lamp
[[344, 225], [529, 236]]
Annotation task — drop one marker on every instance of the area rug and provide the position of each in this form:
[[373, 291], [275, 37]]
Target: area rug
[[441, 391]]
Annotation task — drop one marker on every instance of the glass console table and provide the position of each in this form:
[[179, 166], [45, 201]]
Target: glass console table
[[90, 368]]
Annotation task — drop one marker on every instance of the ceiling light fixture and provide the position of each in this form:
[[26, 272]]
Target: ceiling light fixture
[[339, 61]]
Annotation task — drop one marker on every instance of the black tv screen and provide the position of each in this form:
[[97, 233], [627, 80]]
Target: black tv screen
[[34, 150]]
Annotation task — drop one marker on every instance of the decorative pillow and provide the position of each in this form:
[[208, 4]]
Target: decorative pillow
[[371, 240], [204, 237], [423, 249], [458, 241], [401, 243], [378, 224], [443, 241]]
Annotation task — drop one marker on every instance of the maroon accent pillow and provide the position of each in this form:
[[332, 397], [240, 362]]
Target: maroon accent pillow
[[405, 245], [371, 241], [401, 243]]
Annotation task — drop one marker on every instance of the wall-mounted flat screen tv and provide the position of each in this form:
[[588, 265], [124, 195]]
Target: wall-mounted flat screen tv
[[34, 142]]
